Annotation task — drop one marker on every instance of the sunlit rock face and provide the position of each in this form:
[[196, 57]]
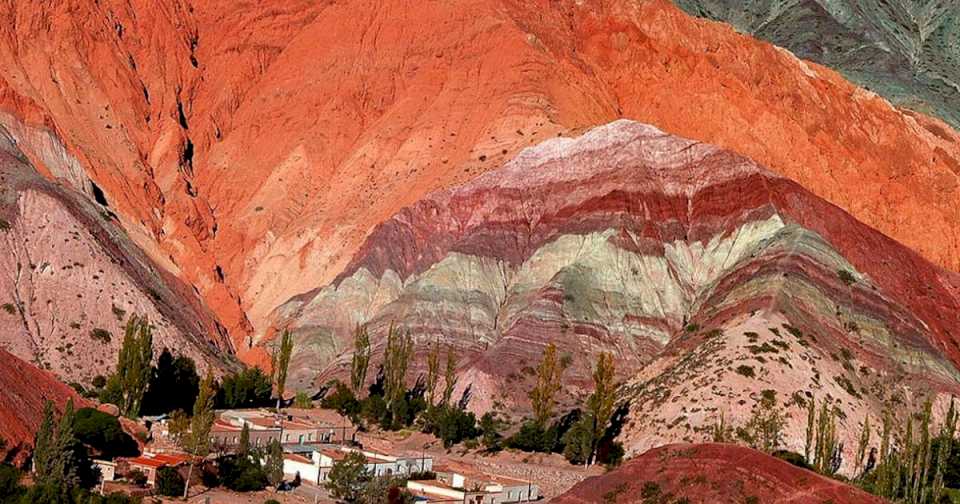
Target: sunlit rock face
[[678, 257], [70, 278], [249, 148]]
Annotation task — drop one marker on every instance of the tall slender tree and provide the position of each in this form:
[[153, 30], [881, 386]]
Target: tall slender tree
[[433, 373], [545, 390], [283, 364], [43, 444], [602, 401], [863, 444], [244, 447], [361, 358], [128, 384], [947, 432], [449, 376], [396, 360], [197, 442]]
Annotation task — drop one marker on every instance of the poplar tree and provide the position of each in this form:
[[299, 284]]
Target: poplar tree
[[449, 375], [273, 463], [283, 364], [43, 444], [602, 401], [811, 430], [433, 373], [396, 360], [947, 432], [244, 447], [197, 442], [545, 390], [863, 444], [361, 358], [128, 384]]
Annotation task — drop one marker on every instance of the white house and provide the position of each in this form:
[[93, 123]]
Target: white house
[[316, 468], [465, 484]]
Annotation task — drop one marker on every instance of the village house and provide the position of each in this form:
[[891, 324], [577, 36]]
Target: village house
[[108, 469], [149, 463], [465, 484], [302, 427], [314, 466]]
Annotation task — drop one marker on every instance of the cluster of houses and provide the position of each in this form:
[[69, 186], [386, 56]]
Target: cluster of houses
[[314, 440]]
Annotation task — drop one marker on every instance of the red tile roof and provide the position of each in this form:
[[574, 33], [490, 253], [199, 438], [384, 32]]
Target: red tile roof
[[159, 459]]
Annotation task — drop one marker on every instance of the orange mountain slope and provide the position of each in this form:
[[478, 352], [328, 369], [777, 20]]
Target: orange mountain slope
[[251, 148], [23, 391]]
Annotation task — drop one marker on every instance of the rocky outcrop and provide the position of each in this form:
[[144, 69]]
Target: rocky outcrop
[[687, 262], [23, 391], [70, 277], [250, 149], [906, 51], [702, 473]]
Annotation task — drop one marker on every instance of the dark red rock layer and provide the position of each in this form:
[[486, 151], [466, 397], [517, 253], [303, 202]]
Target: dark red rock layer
[[712, 473]]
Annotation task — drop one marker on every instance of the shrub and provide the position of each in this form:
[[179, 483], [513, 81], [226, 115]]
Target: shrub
[[342, 400], [846, 277], [249, 388], [242, 473], [103, 433], [9, 308], [101, 335], [302, 400], [10, 488], [793, 458], [169, 482], [4, 225], [452, 425], [137, 477], [745, 370]]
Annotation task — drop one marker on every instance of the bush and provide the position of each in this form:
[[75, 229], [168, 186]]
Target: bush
[[342, 400], [452, 425], [169, 482], [793, 458], [242, 473], [302, 400], [171, 373], [103, 433], [249, 388], [137, 477], [101, 335], [10, 488]]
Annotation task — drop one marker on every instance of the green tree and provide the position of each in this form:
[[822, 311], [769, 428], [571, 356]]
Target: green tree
[[128, 384], [433, 373], [397, 356], [273, 463], [302, 400], [244, 447], [490, 430], [102, 432], [361, 358], [249, 388], [347, 477], [764, 430], [43, 450], [198, 440], [545, 390], [449, 376], [602, 402], [947, 432], [169, 482], [863, 445], [811, 431], [171, 373], [283, 365]]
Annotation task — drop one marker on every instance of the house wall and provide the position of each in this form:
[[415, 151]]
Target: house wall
[[308, 472]]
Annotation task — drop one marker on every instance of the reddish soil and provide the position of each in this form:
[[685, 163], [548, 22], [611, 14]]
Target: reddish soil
[[713, 473], [23, 391]]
